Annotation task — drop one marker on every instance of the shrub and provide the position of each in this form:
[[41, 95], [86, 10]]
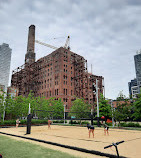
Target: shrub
[[123, 124], [74, 122], [8, 122], [95, 123], [39, 121], [84, 123], [23, 122], [133, 124], [130, 124], [59, 121]]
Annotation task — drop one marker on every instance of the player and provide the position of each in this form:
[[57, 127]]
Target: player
[[90, 129], [106, 128], [49, 123], [17, 123]]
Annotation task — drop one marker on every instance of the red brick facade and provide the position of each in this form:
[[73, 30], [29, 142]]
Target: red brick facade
[[61, 74]]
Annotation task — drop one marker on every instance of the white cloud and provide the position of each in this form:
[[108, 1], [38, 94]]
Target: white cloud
[[106, 33]]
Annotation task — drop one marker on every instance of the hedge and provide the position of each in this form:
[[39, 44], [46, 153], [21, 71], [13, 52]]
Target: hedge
[[131, 124], [59, 121], [23, 122]]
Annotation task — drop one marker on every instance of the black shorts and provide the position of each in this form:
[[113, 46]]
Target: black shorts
[[92, 127], [107, 128]]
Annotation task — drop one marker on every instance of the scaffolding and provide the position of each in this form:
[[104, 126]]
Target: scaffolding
[[23, 78], [80, 76]]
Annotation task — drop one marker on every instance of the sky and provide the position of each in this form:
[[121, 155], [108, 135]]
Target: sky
[[107, 33]]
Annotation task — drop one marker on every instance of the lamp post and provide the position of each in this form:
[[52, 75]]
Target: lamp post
[[97, 103], [64, 113], [29, 110], [3, 110], [112, 113]]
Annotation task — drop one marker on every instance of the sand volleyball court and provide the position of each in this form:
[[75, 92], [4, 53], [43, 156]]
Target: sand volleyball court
[[78, 137]]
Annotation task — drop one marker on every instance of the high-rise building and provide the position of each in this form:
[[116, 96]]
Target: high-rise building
[[61, 74], [137, 59], [133, 88], [5, 60]]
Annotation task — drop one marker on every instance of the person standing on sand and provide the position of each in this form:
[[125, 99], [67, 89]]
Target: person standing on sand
[[49, 123], [90, 129], [106, 128], [17, 123]]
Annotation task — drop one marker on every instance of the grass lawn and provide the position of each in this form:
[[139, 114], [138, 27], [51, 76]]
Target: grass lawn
[[10, 148]]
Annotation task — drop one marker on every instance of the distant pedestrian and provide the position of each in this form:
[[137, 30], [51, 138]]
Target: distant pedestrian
[[0, 156], [49, 123], [106, 128], [17, 123], [90, 129]]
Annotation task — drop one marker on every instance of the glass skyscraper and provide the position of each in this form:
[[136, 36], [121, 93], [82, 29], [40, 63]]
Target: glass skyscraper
[[137, 59], [5, 60]]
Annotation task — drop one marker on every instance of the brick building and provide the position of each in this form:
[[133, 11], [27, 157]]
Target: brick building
[[61, 74]]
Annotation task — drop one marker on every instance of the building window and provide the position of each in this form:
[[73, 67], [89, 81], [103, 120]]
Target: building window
[[71, 92], [57, 91], [50, 93], [66, 91]]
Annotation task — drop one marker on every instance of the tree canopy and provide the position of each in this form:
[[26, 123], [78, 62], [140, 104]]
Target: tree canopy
[[80, 109], [104, 107], [137, 108], [19, 106]]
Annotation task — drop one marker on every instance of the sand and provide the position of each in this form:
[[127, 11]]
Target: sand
[[78, 136]]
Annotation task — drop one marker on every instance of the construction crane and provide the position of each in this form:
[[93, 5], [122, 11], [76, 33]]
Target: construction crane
[[53, 47]]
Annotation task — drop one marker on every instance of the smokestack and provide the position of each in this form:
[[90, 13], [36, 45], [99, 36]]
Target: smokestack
[[30, 55]]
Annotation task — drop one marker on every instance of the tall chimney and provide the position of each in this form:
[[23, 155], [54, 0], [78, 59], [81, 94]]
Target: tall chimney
[[30, 55]]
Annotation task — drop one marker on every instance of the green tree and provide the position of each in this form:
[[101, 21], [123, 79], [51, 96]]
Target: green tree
[[137, 108], [50, 108], [80, 109], [122, 111], [104, 107], [9, 106], [58, 108]]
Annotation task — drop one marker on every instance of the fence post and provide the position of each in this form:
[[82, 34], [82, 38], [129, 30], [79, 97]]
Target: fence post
[[64, 113]]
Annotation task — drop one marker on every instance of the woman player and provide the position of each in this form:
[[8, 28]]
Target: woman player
[[90, 129], [17, 123], [106, 128], [49, 123]]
